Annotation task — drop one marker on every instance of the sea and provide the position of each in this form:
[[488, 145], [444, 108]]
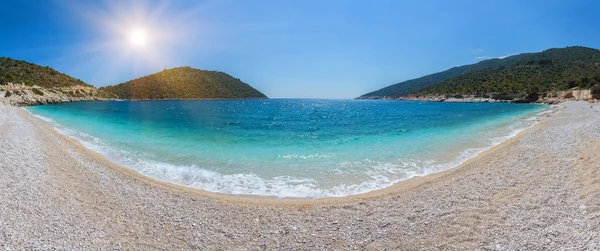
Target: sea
[[288, 148]]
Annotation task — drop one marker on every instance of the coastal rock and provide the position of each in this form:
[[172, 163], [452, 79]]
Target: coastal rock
[[444, 98], [24, 95], [546, 98]]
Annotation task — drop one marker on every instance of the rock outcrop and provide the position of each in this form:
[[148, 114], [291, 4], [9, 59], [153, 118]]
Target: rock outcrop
[[548, 98], [443, 98], [24, 95]]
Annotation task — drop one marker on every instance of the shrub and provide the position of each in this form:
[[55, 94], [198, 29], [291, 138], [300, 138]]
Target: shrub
[[596, 91], [573, 83], [501, 96], [585, 82], [8, 94], [532, 97], [37, 92]]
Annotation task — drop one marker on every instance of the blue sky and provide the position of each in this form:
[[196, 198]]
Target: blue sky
[[307, 49]]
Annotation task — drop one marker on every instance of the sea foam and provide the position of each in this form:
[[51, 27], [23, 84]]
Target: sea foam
[[345, 177]]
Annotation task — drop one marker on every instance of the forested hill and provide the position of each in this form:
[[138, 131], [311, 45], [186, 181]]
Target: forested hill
[[184, 83], [21, 72], [413, 85], [550, 70], [553, 69]]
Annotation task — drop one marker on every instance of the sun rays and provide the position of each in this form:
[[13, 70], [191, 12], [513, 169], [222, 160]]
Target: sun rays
[[135, 37], [138, 38]]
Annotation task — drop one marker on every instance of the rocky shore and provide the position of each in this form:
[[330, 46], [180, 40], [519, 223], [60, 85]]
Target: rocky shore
[[25, 95], [443, 98], [537, 191], [546, 98]]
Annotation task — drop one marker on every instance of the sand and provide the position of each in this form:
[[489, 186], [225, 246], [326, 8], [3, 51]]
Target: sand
[[538, 190]]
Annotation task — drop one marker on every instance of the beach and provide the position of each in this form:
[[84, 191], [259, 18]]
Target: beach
[[537, 190]]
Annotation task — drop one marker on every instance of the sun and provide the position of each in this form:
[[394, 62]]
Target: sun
[[138, 38]]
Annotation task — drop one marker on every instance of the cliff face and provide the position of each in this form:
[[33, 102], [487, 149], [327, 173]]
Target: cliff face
[[24, 95]]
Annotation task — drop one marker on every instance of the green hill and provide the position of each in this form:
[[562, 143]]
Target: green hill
[[184, 83], [413, 85], [553, 69], [550, 70], [18, 71], [24, 84]]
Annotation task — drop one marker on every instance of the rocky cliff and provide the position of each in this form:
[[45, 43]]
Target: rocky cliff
[[25, 95]]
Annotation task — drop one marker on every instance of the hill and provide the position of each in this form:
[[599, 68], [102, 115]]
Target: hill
[[18, 71], [24, 83], [550, 70], [404, 88], [184, 83]]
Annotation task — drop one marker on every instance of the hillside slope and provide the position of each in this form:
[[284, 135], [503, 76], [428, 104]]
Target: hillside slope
[[184, 83], [18, 72], [24, 83], [413, 85], [551, 70]]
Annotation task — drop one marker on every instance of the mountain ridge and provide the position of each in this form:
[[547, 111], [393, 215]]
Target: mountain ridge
[[559, 66]]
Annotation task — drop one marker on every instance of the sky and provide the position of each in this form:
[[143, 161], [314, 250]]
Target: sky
[[287, 49]]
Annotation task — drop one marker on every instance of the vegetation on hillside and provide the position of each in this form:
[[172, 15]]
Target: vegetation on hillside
[[596, 91], [184, 83], [414, 85], [18, 71], [527, 73], [550, 70]]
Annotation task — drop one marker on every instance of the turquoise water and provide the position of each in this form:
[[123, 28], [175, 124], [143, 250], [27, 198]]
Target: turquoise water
[[288, 148]]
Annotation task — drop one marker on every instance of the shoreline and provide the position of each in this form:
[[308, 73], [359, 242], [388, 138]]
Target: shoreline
[[396, 187], [552, 98], [537, 190]]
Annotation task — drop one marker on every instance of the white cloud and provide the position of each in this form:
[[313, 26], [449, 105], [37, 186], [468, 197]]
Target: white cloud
[[503, 57], [488, 57]]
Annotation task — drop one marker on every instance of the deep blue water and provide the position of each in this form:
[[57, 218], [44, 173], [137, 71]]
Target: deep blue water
[[288, 148]]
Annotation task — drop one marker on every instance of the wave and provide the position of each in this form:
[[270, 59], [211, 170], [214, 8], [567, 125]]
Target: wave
[[380, 174], [49, 120]]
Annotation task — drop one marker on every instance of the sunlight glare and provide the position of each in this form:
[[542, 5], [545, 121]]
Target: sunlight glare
[[138, 38]]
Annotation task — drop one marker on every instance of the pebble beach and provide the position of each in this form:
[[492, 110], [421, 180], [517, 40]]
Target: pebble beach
[[537, 190]]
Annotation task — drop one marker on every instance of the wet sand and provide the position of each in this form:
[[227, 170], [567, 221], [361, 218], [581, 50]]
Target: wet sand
[[538, 190]]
